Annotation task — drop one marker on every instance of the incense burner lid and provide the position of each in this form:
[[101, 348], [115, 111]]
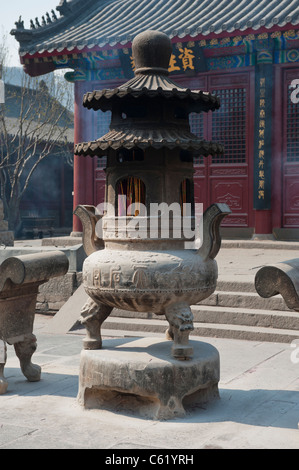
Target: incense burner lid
[[151, 51]]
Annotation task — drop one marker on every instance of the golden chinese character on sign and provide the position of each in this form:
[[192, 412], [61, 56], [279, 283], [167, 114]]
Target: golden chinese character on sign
[[261, 184], [261, 174], [262, 81], [187, 58], [172, 64], [262, 133], [262, 103], [261, 164], [262, 124], [261, 194], [261, 154], [132, 63], [261, 144], [262, 113]]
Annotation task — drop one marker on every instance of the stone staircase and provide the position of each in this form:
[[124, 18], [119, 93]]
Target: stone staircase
[[233, 311]]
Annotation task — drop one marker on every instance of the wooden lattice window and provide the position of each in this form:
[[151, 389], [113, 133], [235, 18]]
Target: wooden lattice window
[[292, 129], [229, 125], [102, 162], [197, 127]]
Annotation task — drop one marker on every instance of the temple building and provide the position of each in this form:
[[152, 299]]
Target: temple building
[[246, 53]]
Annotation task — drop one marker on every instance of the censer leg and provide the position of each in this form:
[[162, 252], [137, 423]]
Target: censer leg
[[92, 317], [24, 351], [3, 382], [180, 319]]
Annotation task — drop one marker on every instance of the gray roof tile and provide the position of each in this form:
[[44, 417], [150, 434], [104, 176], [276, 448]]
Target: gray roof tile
[[112, 22]]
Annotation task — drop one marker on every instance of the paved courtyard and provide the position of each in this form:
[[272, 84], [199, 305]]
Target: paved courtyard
[[258, 405]]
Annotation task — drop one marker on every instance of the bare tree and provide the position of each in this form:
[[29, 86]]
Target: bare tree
[[33, 125]]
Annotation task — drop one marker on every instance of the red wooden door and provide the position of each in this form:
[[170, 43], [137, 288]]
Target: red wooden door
[[290, 152], [226, 178]]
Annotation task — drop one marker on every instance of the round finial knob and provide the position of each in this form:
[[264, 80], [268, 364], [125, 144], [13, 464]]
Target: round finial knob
[[151, 52]]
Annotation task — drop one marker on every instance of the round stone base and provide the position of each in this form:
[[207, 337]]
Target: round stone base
[[140, 376]]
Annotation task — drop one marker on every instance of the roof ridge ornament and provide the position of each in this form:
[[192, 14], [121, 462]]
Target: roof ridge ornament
[[46, 20], [54, 17], [20, 23], [64, 8]]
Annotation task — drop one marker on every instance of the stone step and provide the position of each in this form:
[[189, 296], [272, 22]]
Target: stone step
[[230, 316], [144, 327], [233, 286], [245, 316], [245, 300]]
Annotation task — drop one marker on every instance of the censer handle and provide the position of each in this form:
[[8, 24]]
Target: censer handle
[[212, 219], [89, 219], [281, 278]]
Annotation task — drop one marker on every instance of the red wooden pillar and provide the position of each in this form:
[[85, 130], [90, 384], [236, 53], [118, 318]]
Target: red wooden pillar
[[83, 166], [263, 222]]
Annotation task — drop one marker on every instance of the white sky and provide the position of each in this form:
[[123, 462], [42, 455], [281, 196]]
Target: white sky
[[10, 10]]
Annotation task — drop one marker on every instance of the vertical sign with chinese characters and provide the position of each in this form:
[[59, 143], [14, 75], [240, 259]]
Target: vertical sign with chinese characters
[[262, 137]]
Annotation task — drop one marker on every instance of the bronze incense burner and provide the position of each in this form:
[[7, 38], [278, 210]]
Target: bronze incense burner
[[149, 151]]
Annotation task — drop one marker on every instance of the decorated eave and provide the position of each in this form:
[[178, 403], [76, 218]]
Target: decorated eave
[[95, 26]]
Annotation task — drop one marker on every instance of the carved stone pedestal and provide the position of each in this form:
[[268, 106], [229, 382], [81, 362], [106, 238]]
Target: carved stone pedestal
[[140, 376]]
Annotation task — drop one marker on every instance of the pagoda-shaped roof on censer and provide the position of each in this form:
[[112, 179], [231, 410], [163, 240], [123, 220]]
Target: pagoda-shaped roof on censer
[[151, 85], [151, 51]]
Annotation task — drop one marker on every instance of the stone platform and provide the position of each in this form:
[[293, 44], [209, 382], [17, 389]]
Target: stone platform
[[140, 376]]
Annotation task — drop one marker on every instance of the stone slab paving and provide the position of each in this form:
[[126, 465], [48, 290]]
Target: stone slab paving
[[258, 405]]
